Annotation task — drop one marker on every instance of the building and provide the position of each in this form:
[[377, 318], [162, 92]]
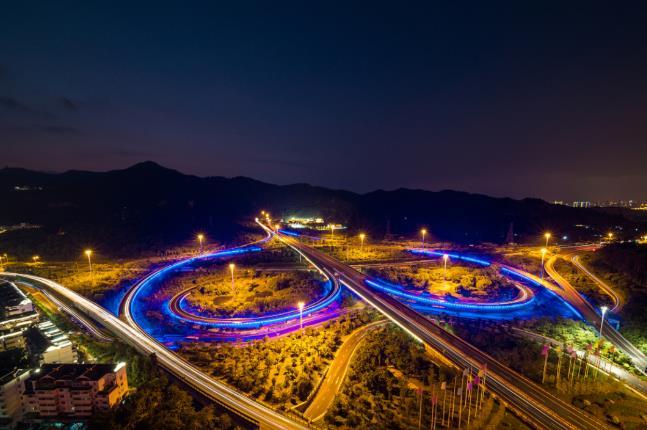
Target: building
[[72, 391], [48, 344], [11, 386], [17, 314], [11, 340], [13, 302]]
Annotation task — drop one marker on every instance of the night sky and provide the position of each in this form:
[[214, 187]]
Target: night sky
[[518, 99]]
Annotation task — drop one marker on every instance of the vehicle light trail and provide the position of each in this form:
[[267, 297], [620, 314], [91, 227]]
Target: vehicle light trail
[[533, 402], [226, 396]]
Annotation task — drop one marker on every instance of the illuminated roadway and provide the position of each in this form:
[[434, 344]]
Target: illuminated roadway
[[73, 313], [530, 400], [230, 398], [617, 300], [336, 373], [570, 294]]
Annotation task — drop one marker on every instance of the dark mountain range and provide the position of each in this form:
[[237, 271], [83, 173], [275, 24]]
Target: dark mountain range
[[149, 207]]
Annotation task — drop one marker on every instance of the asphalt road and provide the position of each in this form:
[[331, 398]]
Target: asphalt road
[[230, 398], [569, 293], [617, 300], [530, 400], [336, 373], [83, 321]]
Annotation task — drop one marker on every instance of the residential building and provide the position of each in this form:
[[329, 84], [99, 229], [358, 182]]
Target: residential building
[[72, 391], [11, 386], [49, 344]]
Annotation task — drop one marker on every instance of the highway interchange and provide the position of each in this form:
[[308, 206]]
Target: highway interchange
[[534, 403]]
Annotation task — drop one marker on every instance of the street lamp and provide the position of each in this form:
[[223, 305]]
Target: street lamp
[[543, 254], [362, 236], [445, 258], [200, 239], [232, 266], [610, 235], [604, 310], [547, 236], [301, 305], [88, 253], [423, 232], [35, 258]]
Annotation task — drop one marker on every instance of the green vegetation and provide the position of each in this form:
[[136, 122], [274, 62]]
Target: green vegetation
[[349, 249], [382, 389], [582, 283], [160, 405], [624, 267], [577, 334], [526, 257], [254, 291], [153, 402], [602, 396], [282, 371], [76, 275], [457, 281]]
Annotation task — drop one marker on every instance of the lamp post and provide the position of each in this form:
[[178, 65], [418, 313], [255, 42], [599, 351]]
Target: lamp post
[[232, 266], [543, 255], [362, 236], [88, 253], [423, 232], [36, 258], [200, 239], [604, 310], [445, 258], [301, 305], [547, 236]]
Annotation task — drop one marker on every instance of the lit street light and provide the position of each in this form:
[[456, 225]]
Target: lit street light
[[362, 236], [200, 239], [445, 258], [88, 253], [604, 310], [547, 236], [301, 305], [543, 254], [231, 269], [423, 232], [35, 258]]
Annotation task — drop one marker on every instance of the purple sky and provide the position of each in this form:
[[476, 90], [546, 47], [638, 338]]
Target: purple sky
[[513, 99]]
